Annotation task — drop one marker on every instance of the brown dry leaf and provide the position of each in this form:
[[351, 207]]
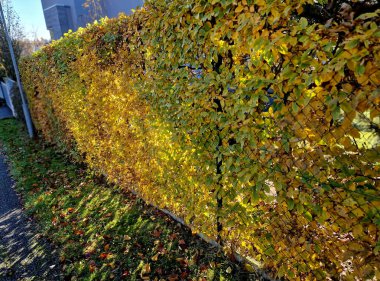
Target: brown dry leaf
[[92, 265], [203, 267], [173, 236], [104, 255], [92, 268], [155, 257], [145, 270], [159, 271], [107, 237], [156, 233], [184, 275], [182, 261], [79, 232], [173, 277]]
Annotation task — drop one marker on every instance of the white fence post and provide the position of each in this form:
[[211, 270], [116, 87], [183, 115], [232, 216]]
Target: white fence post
[[6, 89]]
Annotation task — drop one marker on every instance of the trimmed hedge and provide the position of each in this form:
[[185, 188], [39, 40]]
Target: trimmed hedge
[[256, 125]]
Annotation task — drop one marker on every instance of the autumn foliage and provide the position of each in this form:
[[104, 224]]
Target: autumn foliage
[[257, 125]]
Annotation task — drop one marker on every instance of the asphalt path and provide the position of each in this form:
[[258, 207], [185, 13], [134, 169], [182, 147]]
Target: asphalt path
[[24, 254]]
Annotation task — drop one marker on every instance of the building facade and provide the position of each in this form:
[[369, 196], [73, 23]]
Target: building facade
[[63, 15]]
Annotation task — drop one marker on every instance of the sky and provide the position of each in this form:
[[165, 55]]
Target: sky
[[32, 18]]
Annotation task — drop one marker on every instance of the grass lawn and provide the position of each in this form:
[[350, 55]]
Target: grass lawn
[[102, 232]]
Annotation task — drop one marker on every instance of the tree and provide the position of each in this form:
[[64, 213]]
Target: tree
[[16, 33], [95, 8]]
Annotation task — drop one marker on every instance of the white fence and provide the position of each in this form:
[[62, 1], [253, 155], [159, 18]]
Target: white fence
[[6, 93]]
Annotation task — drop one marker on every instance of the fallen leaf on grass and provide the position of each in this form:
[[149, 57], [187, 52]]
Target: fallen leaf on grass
[[182, 261], [173, 277], [182, 244], [108, 215], [159, 271], [107, 237], [92, 265], [156, 233], [141, 255], [184, 275], [112, 265], [203, 267], [155, 257], [104, 255], [79, 232], [173, 236], [144, 271], [92, 268]]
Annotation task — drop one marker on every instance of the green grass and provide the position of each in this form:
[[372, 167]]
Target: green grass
[[103, 232]]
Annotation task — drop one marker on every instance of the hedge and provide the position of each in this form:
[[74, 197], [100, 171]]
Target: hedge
[[254, 123]]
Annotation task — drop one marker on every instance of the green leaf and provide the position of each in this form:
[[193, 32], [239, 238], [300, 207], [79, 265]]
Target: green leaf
[[308, 216], [336, 113], [360, 179], [290, 203], [360, 69], [367, 16], [295, 107], [303, 23]]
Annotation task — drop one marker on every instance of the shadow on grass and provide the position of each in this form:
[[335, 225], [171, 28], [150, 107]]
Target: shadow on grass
[[103, 232]]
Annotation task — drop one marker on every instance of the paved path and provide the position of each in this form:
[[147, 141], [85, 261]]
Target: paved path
[[5, 112], [23, 254]]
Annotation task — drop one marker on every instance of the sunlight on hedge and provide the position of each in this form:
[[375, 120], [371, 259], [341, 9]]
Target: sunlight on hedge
[[249, 121]]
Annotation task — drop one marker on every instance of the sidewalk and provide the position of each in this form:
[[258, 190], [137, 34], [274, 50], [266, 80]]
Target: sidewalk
[[23, 254]]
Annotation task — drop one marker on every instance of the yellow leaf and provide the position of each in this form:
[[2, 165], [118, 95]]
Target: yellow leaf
[[239, 9], [357, 230], [249, 267], [155, 257], [354, 246]]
